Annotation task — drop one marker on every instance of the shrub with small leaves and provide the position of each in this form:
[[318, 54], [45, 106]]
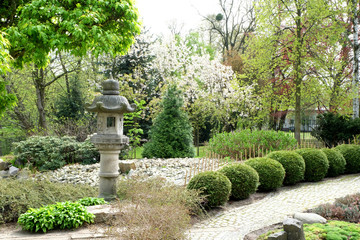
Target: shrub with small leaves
[[293, 164], [351, 153], [91, 201], [336, 160], [271, 172], [244, 179], [316, 164], [215, 186], [60, 215]]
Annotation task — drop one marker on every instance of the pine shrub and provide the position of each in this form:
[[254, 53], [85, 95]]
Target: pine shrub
[[50, 153], [336, 160], [244, 179], [316, 164], [293, 164], [171, 133], [271, 172], [351, 153], [215, 186]]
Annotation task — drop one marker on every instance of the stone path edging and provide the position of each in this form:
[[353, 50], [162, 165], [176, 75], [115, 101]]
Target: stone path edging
[[274, 208]]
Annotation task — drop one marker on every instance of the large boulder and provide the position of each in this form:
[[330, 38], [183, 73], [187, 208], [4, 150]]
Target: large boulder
[[310, 218], [294, 229], [13, 171], [4, 166], [126, 165]]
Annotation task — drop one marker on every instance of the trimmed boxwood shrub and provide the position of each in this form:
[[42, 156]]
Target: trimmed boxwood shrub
[[215, 186], [244, 179], [293, 164], [271, 172], [316, 164], [351, 153], [336, 160]]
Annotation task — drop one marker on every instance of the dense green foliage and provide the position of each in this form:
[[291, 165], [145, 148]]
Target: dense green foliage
[[351, 154], [91, 201], [17, 196], [293, 164], [244, 179], [215, 186], [171, 133], [60, 215], [50, 153], [234, 144], [77, 27], [345, 209], [334, 129], [316, 164], [271, 172], [336, 160]]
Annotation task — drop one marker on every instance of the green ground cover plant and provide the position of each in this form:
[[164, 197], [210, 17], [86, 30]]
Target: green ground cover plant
[[17, 196], [333, 230], [316, 164], [336, 160], [271, 172], [351, 153], [215, 186], [238, 143], [293, 164], [244, 179], [60, 215], [50, 153], [91, 201]]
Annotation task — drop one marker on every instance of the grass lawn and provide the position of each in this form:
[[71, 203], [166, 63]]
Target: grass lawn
[[202, 152]]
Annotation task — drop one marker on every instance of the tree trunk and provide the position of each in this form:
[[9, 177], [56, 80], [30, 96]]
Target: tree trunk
[[39, 83], [355, 82]]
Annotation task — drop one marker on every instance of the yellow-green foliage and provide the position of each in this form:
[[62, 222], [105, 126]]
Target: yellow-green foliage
[[17, 196]]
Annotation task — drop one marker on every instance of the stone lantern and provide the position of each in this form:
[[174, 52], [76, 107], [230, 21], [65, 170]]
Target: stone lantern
[[109, 139]]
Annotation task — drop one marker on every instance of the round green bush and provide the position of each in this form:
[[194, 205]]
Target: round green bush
[[351, 153], [336, 160], [244, 179], [271, 172], [316, 164], [293, 164], [215, 186]]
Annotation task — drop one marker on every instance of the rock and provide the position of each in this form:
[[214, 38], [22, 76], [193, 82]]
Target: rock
[[126, 165], [294, 229], [102, 212], [278, 236], [13, 171], [4, 174], [4, 165], [310, 218]]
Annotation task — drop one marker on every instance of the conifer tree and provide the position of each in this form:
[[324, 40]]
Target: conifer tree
[[171, 133]]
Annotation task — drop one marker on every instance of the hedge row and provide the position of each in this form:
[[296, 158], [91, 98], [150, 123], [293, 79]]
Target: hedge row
[[239, 180]]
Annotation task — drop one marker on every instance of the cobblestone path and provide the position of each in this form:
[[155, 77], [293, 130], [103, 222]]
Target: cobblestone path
[[274, 208]]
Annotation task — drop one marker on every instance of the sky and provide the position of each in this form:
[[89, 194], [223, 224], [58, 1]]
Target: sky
[[156, 15]]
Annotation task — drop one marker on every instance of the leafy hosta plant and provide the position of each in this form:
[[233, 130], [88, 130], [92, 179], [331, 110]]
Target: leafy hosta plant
[[60, 215], [91, 201]]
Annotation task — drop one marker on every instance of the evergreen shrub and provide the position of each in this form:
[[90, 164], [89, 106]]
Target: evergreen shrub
[[50, 153], [271, 172], [171, 133], [215, 186], [244, 179], [336, 160], [17, 196], [351, 153], [236, 144], [293, 164], [316, 164]]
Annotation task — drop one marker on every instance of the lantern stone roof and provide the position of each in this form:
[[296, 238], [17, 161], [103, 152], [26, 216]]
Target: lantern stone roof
[[110, 101]]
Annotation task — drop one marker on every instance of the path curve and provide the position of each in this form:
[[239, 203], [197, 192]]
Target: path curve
[[274, 208]]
